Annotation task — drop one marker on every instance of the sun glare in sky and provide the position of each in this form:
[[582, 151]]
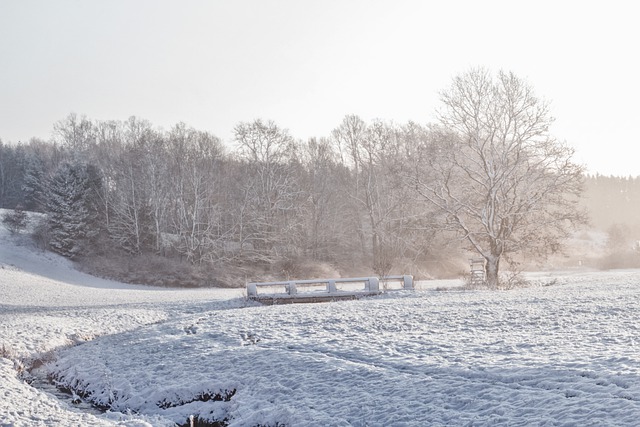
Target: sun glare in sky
[[306, 64]]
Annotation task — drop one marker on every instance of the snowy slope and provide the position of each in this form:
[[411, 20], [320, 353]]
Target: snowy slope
[[566, 354], [45, 304]]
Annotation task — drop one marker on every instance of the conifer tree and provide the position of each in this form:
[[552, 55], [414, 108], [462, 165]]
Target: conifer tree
[[72, 213], [33, 186]]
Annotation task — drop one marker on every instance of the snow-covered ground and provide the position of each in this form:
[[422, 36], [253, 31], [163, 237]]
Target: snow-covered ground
[[563, 354]]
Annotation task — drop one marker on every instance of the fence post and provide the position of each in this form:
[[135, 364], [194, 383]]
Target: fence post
[[331, 287], [408, 282], [291, 288], [373, 284], [252, 290]]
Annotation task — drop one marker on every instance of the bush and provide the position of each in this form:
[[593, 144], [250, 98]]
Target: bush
[[6, 352], [513, 280], [15, 220]]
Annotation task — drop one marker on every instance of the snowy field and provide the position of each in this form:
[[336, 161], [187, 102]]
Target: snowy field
[[565, 352]]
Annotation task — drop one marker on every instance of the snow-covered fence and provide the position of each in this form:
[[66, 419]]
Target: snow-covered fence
[[371, 284], [314, 288]]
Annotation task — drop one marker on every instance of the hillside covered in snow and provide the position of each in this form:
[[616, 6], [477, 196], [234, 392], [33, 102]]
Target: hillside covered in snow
[[564, 351]]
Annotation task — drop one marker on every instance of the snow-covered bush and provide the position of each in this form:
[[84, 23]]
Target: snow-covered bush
[[6, 352], [15, 220]]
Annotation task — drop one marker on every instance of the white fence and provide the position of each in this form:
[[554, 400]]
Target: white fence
[[368, 285]]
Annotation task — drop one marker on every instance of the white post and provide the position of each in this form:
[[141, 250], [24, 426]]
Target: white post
[[252, 290], [291, 288], [331, 287], [373, 284], [408, 282]]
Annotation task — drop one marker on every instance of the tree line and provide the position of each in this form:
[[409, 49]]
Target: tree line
[[487, 177], [182, 193]]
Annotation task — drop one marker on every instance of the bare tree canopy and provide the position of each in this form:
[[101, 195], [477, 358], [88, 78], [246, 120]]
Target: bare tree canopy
[[500, 181]]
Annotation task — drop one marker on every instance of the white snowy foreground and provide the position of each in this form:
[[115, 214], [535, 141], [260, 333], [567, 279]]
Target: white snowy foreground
[[563, 354]]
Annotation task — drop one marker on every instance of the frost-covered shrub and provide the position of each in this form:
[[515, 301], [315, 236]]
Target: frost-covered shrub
[[512, 280], [15, 220], [6, 352]]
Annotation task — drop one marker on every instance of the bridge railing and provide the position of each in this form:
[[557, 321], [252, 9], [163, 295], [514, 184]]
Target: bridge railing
[[331, 286]]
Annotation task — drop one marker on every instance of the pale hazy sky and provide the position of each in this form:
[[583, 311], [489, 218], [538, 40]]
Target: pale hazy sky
[[306, 64]]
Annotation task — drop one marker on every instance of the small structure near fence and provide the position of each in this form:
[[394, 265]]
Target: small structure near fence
[[322, 290], [477, 272]]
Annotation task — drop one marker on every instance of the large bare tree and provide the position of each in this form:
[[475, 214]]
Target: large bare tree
[[497, 176]]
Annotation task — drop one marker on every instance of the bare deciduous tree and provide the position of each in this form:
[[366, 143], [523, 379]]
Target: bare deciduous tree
[[318, 159], [349, 137], [271, 191], [499, 179], [196, 211], [131, 221], [379, 204], [75, 133]]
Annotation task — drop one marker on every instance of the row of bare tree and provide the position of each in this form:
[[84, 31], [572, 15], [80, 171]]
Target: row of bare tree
[[489, 174], [271, 198]]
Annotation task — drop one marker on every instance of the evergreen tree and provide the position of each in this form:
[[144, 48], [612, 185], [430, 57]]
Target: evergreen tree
[[11, 175], [72, 214], [34, 183]]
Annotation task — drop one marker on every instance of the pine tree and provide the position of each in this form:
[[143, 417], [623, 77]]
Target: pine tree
[[34, 183], [71, 212]]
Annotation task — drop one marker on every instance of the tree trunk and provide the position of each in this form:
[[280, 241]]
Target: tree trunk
[[491, 270]]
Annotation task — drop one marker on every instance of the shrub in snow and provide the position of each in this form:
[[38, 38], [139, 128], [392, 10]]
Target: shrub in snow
[[6, 352], [15, 220]]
